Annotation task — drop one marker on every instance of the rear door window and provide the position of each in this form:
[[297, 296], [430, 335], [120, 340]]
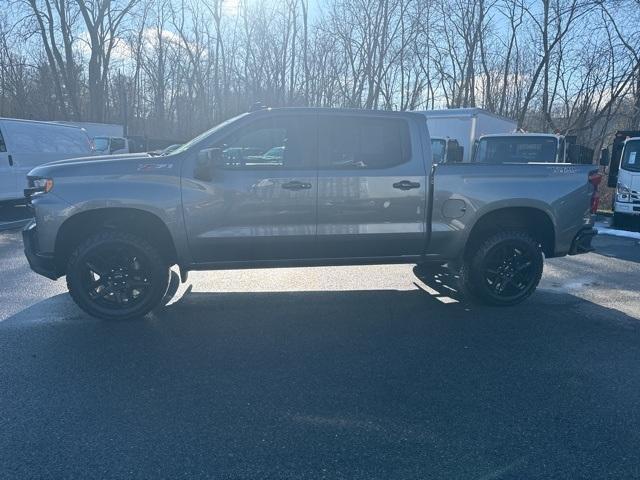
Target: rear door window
[[353, 142]]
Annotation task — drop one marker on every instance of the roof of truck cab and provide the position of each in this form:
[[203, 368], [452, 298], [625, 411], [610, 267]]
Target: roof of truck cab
[[39, 122]]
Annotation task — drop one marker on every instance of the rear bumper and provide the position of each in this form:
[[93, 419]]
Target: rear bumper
[[582, 241], [39, 263]]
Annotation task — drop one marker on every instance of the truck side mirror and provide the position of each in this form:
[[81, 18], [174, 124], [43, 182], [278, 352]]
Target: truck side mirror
[[207, 159], [604, 157]]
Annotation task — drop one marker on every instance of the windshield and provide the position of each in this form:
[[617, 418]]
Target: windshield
[[438, 146], [48, 138], [515, 149], [101, 143], [204, 135], [631, 156]]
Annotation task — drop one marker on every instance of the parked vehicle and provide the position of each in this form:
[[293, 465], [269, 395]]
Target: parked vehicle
[[301, 187], [519, 148], [108, 138], [111, 145], [142, 143], [531, 148], [624, 176], [25, 144], [446, 150], [464, 126]]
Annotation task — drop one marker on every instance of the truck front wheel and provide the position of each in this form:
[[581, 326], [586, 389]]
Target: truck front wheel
[[503, 270], [117, 276]]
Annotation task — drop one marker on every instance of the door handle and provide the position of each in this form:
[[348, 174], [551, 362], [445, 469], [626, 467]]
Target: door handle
[[10, 160], [406, 185], [296, 185]]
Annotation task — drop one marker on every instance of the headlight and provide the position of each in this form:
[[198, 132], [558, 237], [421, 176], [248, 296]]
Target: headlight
[[38, 185], [623, 193], [43, 184]]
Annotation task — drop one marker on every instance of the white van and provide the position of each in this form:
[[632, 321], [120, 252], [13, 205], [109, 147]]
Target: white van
[[25, 144]]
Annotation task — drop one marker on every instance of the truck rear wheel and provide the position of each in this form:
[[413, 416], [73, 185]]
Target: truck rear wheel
[[504, 270], [117, 276]]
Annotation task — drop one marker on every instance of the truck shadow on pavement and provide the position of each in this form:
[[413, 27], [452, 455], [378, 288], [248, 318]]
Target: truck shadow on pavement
[[441, 283], [350, 384]]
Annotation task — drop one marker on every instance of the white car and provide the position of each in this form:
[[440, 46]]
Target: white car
[[25, 144]]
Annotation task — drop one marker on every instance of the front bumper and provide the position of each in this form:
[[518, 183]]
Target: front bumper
[[627, 208], [582, 241], [39, 263]]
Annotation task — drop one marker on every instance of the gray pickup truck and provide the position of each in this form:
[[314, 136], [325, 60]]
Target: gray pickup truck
[[301, 187]]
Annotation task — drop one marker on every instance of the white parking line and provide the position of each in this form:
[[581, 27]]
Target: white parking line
[[604, 229]]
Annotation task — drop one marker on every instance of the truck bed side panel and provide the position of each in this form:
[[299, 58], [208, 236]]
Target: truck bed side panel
[[463, 193]]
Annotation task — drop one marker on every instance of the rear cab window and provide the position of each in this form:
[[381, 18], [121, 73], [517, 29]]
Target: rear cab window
[[361, 143], [517, 150]]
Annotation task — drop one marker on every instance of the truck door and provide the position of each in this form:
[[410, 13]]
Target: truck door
[[8, 178], [259, 201], [371, 187]]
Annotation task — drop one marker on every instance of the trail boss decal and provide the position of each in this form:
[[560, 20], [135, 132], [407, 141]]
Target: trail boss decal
[[561, 170]]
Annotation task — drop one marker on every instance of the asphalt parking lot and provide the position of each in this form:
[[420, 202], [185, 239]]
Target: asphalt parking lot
[[352, 372]]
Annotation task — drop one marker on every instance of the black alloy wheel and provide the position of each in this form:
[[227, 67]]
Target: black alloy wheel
[[509, 270], [504, 270], [117, 275]]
